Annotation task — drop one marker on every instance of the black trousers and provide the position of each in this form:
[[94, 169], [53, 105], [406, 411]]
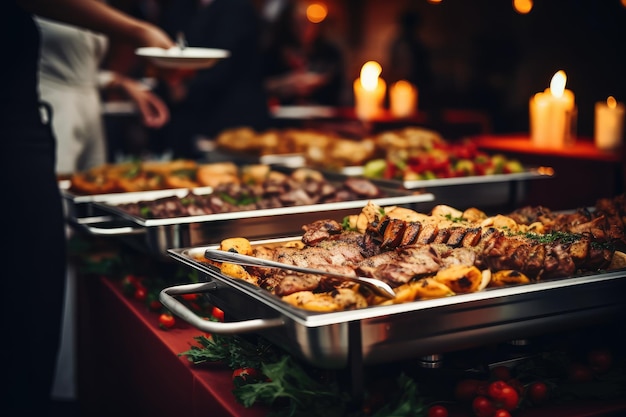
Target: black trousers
[[33, 266]]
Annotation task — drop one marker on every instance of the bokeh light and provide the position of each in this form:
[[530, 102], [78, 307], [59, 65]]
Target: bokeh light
[[316, 12], [524, 6]]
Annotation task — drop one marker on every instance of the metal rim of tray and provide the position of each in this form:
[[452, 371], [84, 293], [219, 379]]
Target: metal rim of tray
[[354, 204]]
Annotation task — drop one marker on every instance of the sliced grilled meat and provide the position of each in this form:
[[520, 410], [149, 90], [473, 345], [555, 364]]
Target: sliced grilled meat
[[288, 282], [362, 187], [546, 256], [320, 230]]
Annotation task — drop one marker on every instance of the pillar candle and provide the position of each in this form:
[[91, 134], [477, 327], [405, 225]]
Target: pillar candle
[[609, 124], [369, 91], [403, 99], [553, 115]]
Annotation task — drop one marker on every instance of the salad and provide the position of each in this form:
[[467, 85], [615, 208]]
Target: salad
[[441, 160]]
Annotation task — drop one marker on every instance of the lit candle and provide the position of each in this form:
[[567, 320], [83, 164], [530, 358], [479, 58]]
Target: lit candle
[[609, 124], [553, 114], [369, 91], [403, 99]]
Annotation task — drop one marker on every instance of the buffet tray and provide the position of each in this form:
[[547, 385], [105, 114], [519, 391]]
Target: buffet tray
[[528, 174], [380, 334], [78, 206], [158, 235]]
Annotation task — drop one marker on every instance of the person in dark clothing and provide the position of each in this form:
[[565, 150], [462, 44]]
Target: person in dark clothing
[[302, 66], [409, 59], [34, 228], [227, 95]]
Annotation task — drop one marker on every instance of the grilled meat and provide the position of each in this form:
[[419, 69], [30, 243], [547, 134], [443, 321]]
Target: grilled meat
[[275, 191], [406, 250], [606, 221], [547, 256], [320, 230]]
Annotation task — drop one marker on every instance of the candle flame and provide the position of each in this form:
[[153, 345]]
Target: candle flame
[[369, 75], [611, 102], [523, 6], [557, 84]]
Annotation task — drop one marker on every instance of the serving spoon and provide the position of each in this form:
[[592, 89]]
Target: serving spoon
[[375, 285]]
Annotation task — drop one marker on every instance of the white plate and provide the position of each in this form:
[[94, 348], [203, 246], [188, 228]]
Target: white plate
[[303, 112], [188, 58]]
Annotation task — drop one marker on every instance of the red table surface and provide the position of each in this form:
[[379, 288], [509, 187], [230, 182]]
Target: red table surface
[[128, 366], [582, 148]]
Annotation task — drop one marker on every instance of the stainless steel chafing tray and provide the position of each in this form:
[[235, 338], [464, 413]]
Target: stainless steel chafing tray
[[486, 191], [530, 173], [80, 206], [380, 334], [158, 235]]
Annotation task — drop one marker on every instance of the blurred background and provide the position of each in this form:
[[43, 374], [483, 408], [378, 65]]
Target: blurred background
[[481, 54]]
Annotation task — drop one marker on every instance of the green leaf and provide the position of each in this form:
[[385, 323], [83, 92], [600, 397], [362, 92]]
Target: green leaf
[[407, 402]]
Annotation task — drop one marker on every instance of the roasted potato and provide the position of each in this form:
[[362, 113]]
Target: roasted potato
[[460, 278], [507, 277], [236, 244]]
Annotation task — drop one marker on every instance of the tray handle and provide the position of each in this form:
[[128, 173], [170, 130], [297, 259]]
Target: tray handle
[[178, 308], [87, 224]]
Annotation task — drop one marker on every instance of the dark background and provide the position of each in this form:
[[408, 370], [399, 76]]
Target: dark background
[[482, 54]]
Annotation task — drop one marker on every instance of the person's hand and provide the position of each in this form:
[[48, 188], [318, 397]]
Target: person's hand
[[151, 35], [154, 112]]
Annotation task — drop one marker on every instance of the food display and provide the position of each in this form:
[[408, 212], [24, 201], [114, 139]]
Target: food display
[[257, 187], [319, 148], [440, 254], [439, 159], [407, 154], [151, 175]]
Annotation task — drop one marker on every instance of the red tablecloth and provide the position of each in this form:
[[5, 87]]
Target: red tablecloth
[[129, 366]]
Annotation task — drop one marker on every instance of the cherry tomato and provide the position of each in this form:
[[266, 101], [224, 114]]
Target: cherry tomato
[[600, 360], [437, 411], [129, 285], [578, 372], [510, 398], [131, 279], [537, 392], [246, 375], [483, 407], [517, 385], [217, 314], [155, 305], [140, 293], [501, 413], [500, 372], [189, 297], [166, 321], [505, 395], [495, 389]]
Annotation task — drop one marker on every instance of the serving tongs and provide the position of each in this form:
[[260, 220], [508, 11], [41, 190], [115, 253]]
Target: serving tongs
[[375, 285]]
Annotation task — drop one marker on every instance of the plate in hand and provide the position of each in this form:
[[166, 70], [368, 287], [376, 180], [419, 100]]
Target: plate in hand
[[186, 58]]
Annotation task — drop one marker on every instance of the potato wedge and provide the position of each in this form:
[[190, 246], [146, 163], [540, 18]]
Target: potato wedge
[[508, 277], [618, 261], [460, 278], [236, 244]]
